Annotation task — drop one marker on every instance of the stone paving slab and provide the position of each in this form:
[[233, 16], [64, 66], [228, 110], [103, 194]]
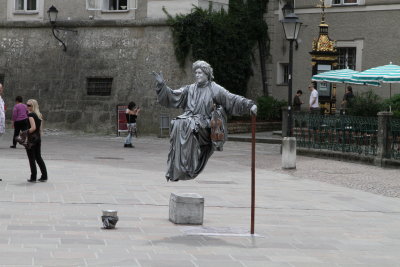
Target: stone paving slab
[[299, 222]]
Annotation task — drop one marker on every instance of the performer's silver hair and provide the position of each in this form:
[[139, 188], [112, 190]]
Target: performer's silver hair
[[205, 67]]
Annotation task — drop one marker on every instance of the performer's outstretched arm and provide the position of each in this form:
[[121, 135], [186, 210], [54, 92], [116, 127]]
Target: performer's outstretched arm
[[168, 97]]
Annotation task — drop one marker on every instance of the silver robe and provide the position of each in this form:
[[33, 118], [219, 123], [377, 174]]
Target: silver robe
[[190, 141]]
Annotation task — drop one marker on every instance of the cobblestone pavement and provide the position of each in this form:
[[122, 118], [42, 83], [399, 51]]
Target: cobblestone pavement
[[299, 221], [369, 178]]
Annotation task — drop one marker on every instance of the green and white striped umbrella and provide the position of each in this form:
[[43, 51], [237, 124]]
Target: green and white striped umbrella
[[386, 74], [340, 76], [335, 76], [383, 74]]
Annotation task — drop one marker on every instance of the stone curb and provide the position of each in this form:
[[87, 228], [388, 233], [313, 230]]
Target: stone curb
[[337, 155]]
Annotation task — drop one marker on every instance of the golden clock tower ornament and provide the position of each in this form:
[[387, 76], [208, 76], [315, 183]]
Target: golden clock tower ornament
[[324, 57], [323, 43]]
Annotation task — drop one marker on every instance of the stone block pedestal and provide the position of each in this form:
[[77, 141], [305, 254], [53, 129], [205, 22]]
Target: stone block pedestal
[[186, 208], [289, 153]]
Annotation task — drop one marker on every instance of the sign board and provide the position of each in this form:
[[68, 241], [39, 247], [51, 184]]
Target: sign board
[[324, 88], [121, 119]]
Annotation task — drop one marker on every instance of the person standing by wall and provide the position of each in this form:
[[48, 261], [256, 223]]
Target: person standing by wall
[[131, 114], [33, 150], [19, 118], [314, 102], [297, 102], [348, 96], [2, 112]]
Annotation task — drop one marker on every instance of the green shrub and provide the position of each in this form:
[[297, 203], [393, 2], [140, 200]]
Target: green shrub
[[366, 104], [270, 108], [396, 114], [226, 40], [394, 104]]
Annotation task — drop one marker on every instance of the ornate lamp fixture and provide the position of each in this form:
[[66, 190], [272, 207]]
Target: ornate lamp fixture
[[52, 14], [291, 26]]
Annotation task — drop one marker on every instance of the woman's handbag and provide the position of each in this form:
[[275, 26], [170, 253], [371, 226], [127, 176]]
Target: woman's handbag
[[22, 138], [218, 128], [27, 139]]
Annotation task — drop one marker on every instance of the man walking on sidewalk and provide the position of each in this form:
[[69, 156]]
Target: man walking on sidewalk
[[314, 102]]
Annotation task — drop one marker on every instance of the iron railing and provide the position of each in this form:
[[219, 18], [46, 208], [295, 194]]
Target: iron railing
[[337, 133], [394, 137]]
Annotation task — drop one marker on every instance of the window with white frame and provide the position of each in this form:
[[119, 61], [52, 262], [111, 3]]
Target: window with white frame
[[283, 74], [345, 2], [111, 5], [350, 54], [347, 57], [115, 4], [25, 5]]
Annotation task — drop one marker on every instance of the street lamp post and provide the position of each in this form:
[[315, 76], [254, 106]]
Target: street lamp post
[[52, 14], [291, 26]]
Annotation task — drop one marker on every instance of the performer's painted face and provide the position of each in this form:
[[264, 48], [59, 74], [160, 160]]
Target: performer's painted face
[[201, 77]]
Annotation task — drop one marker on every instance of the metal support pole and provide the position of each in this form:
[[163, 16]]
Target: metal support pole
[[53, 29], [290, 119], [253, 171], [261, 49]]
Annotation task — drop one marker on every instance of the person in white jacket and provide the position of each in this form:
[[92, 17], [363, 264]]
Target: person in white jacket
[[2, 112]]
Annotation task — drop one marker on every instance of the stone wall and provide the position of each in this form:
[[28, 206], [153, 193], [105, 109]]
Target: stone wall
[[35, 66]]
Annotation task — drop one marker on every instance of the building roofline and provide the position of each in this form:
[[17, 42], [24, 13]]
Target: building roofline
[[346, 9], [85, 23]]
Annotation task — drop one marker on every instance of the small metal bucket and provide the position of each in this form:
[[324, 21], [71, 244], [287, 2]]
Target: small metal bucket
[[109, 219]]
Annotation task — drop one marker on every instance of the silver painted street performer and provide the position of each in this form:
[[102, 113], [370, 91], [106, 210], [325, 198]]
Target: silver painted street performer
[[191, 144]]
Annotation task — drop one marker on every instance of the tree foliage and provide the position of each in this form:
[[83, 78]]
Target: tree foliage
[[226, 40], [365, 104], [270, 109]]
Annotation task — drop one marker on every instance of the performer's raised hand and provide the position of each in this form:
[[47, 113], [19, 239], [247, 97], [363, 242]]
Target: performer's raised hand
[[158, 76]]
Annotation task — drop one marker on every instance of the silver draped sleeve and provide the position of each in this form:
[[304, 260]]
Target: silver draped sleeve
[[233, 104], [172, 98]]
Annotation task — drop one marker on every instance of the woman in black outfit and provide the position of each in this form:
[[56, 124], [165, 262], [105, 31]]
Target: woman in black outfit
[[34, 147], [131, 114]]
